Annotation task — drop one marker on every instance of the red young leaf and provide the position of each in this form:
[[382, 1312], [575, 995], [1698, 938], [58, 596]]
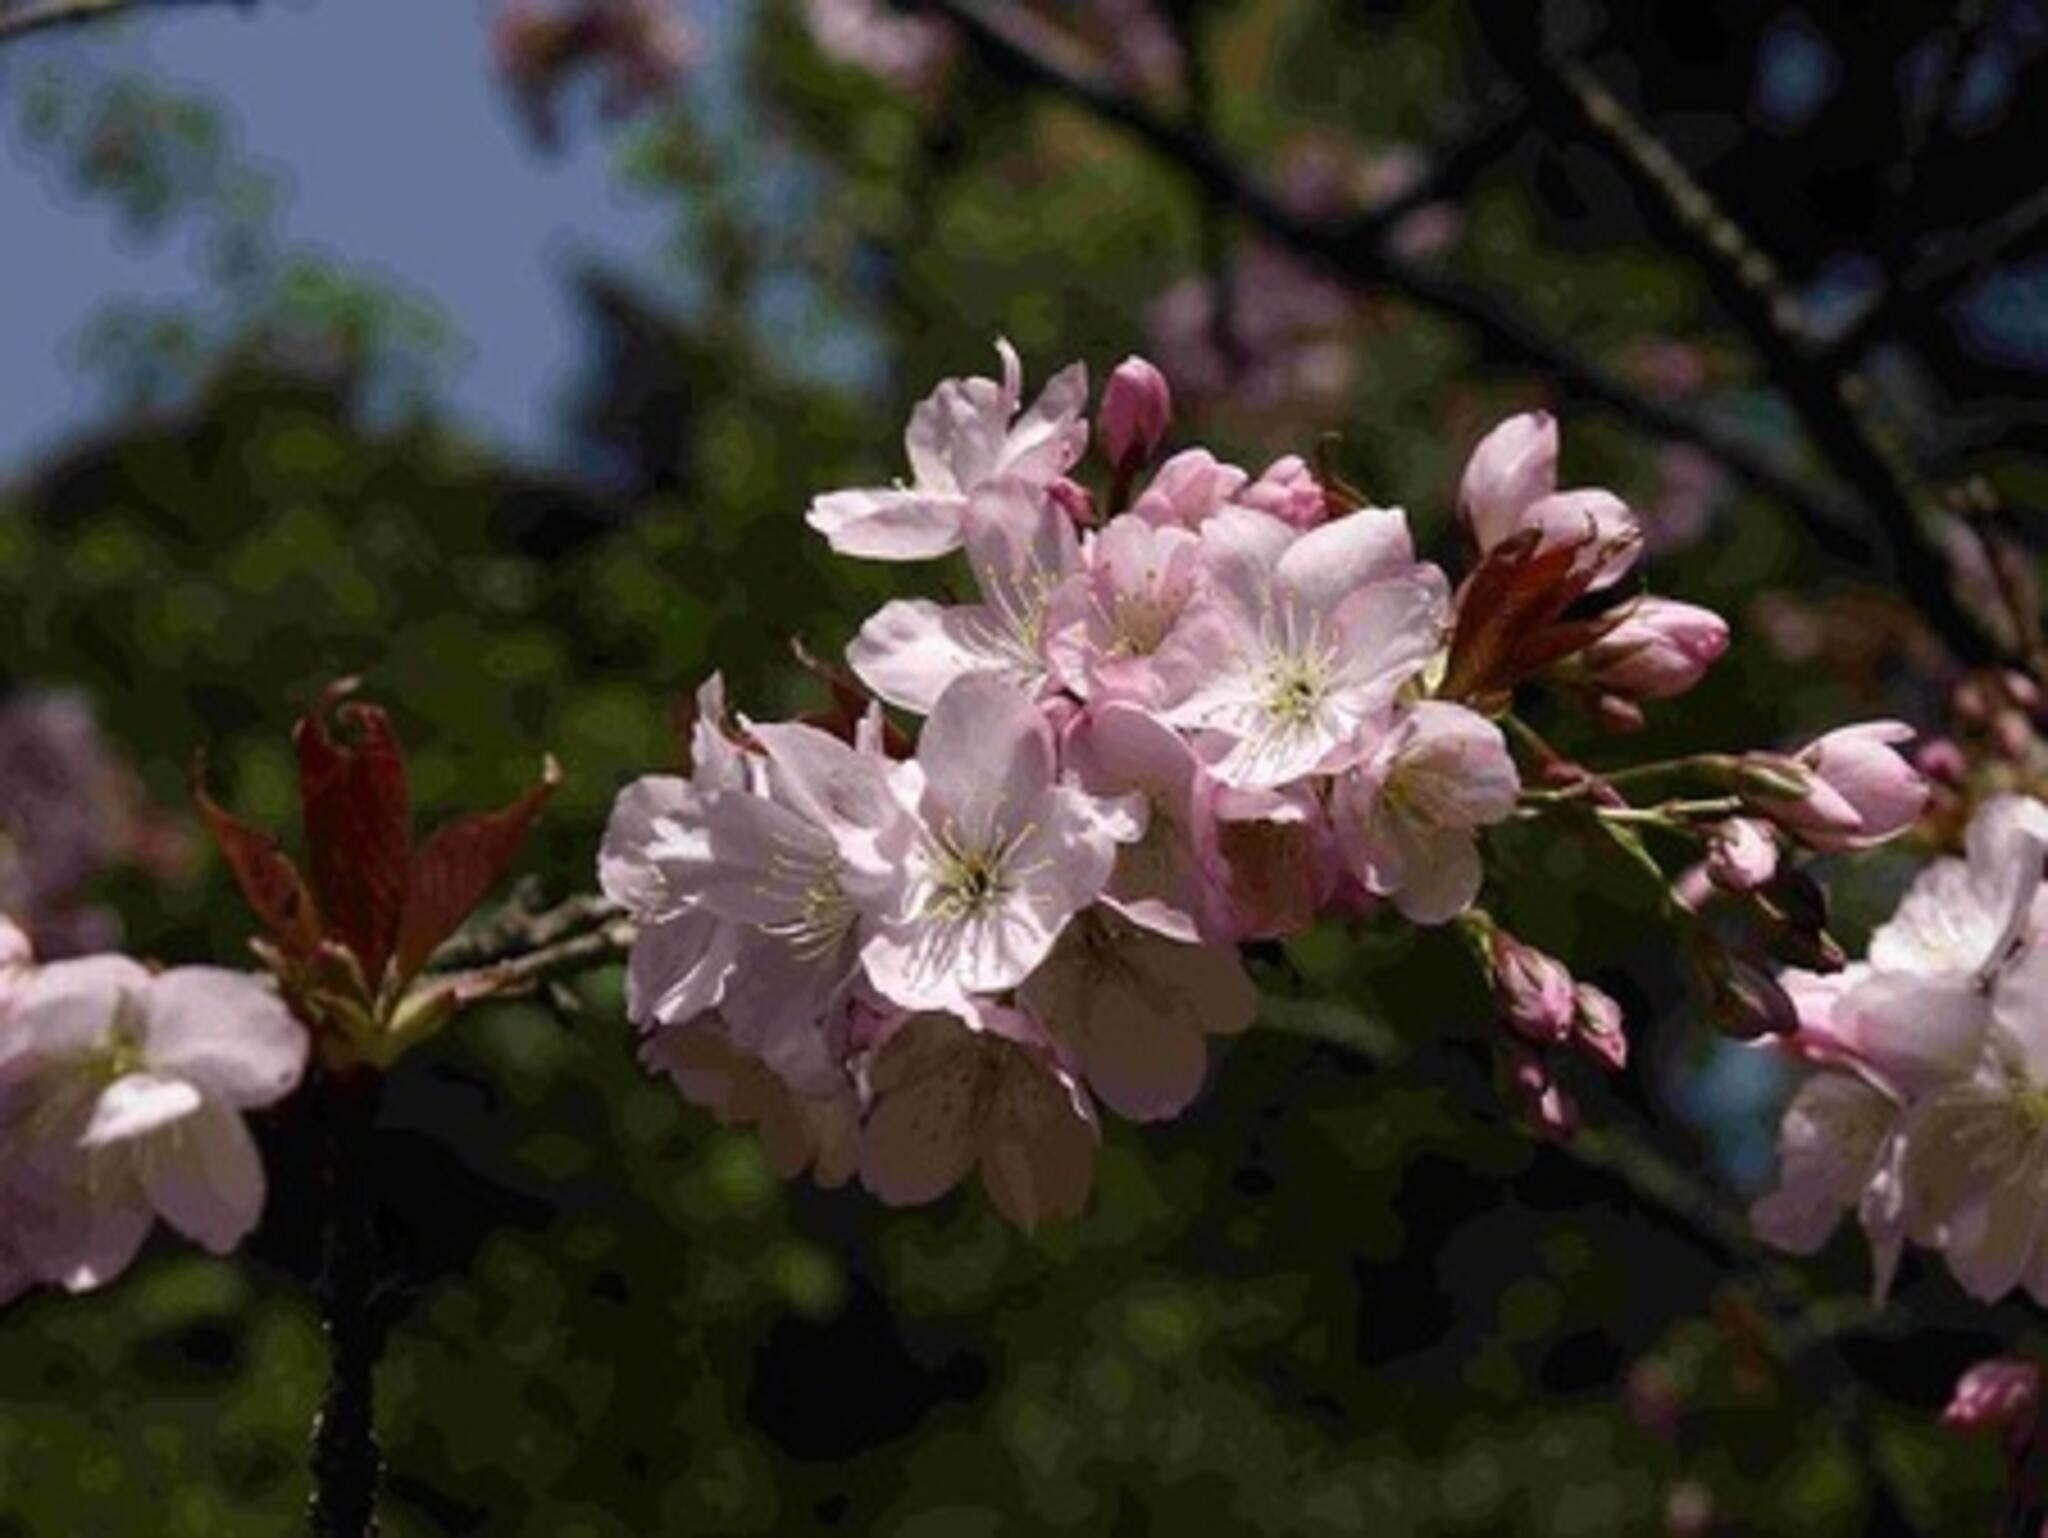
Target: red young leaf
[[269, 881], [358, 813], [455, 868]]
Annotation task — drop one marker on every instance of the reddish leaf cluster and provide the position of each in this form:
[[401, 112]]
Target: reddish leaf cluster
[[1512, 611], [359, 924]]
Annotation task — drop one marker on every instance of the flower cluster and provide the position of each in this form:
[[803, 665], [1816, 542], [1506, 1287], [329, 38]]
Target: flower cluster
[[1929, 1112], [1192, 709]]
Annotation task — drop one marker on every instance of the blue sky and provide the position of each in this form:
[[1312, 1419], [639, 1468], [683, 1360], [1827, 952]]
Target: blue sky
[[398, 154]]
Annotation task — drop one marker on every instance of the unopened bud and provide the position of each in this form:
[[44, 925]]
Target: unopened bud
[[1994, 1395], [1075, 500], [1545, 1105], [1859, 790], [1596, 1026], [1137, 408], [1617, 715], [1534, 991], [1940, 759], [2013, 733], [1741, 855], [1660, 649], [1288, 490], [2021, 690]]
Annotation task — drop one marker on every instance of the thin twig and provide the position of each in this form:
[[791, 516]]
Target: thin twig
[[1358, 256], [1935, 279], [1830, 406], [50, 15]]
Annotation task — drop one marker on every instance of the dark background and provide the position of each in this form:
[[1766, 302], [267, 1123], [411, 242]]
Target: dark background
[[1343, 1294]]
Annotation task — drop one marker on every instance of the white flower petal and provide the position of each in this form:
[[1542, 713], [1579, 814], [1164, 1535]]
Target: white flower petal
[[225, 1032], [205, 1178], [135, 1106]]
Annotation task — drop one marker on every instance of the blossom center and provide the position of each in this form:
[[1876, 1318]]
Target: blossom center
[[970, 877]]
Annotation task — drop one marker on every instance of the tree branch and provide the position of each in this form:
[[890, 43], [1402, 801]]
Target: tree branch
[[51, 15], [1935, 279], [1830, 405], [347, 1465], [1357, 255]]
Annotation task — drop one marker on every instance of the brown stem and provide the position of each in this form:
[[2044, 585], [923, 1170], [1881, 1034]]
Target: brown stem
[[346, 1462], [1357, 255]]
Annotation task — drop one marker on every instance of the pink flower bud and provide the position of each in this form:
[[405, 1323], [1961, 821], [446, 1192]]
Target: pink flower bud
[[1137, 407], [1549, 1109], [1994, 1395], [1514, 466], [1858, 790], [1741, 855], [1660, 649], [1289, 491], [1075, 500], [1534, 991], [1597, 1028], [1617, 715], [1940, 759]]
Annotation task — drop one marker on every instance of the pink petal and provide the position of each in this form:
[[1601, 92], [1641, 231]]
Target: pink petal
[[226, 1033], [205, 1178]]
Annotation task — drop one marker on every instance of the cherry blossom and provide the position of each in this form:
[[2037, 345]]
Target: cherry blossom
[[121, 1101], [1109, 628], [1305, 640], [1021, 547], [965, 433], [1406, 815], [1134, 1008], [1935, 1054], [1005, 853], [950, 1101]]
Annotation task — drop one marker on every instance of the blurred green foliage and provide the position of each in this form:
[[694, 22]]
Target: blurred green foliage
[[1340, 1296]]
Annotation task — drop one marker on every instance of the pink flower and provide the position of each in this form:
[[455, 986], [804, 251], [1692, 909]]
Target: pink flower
[[1510, 484], [1288, 490], [1995, 1395], [1660, 649], [1837, 1150], [1303, 640], [1858, 789], [966, 432], [759, 894], [1162, 880], [1021, 547], [1137, 409], [1106, 626], [1406, 816], [950, 1100], [1003, 856], [815, 1132], [121, 1095], [1274, 857], [1189, 489], [1134, 1008]]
